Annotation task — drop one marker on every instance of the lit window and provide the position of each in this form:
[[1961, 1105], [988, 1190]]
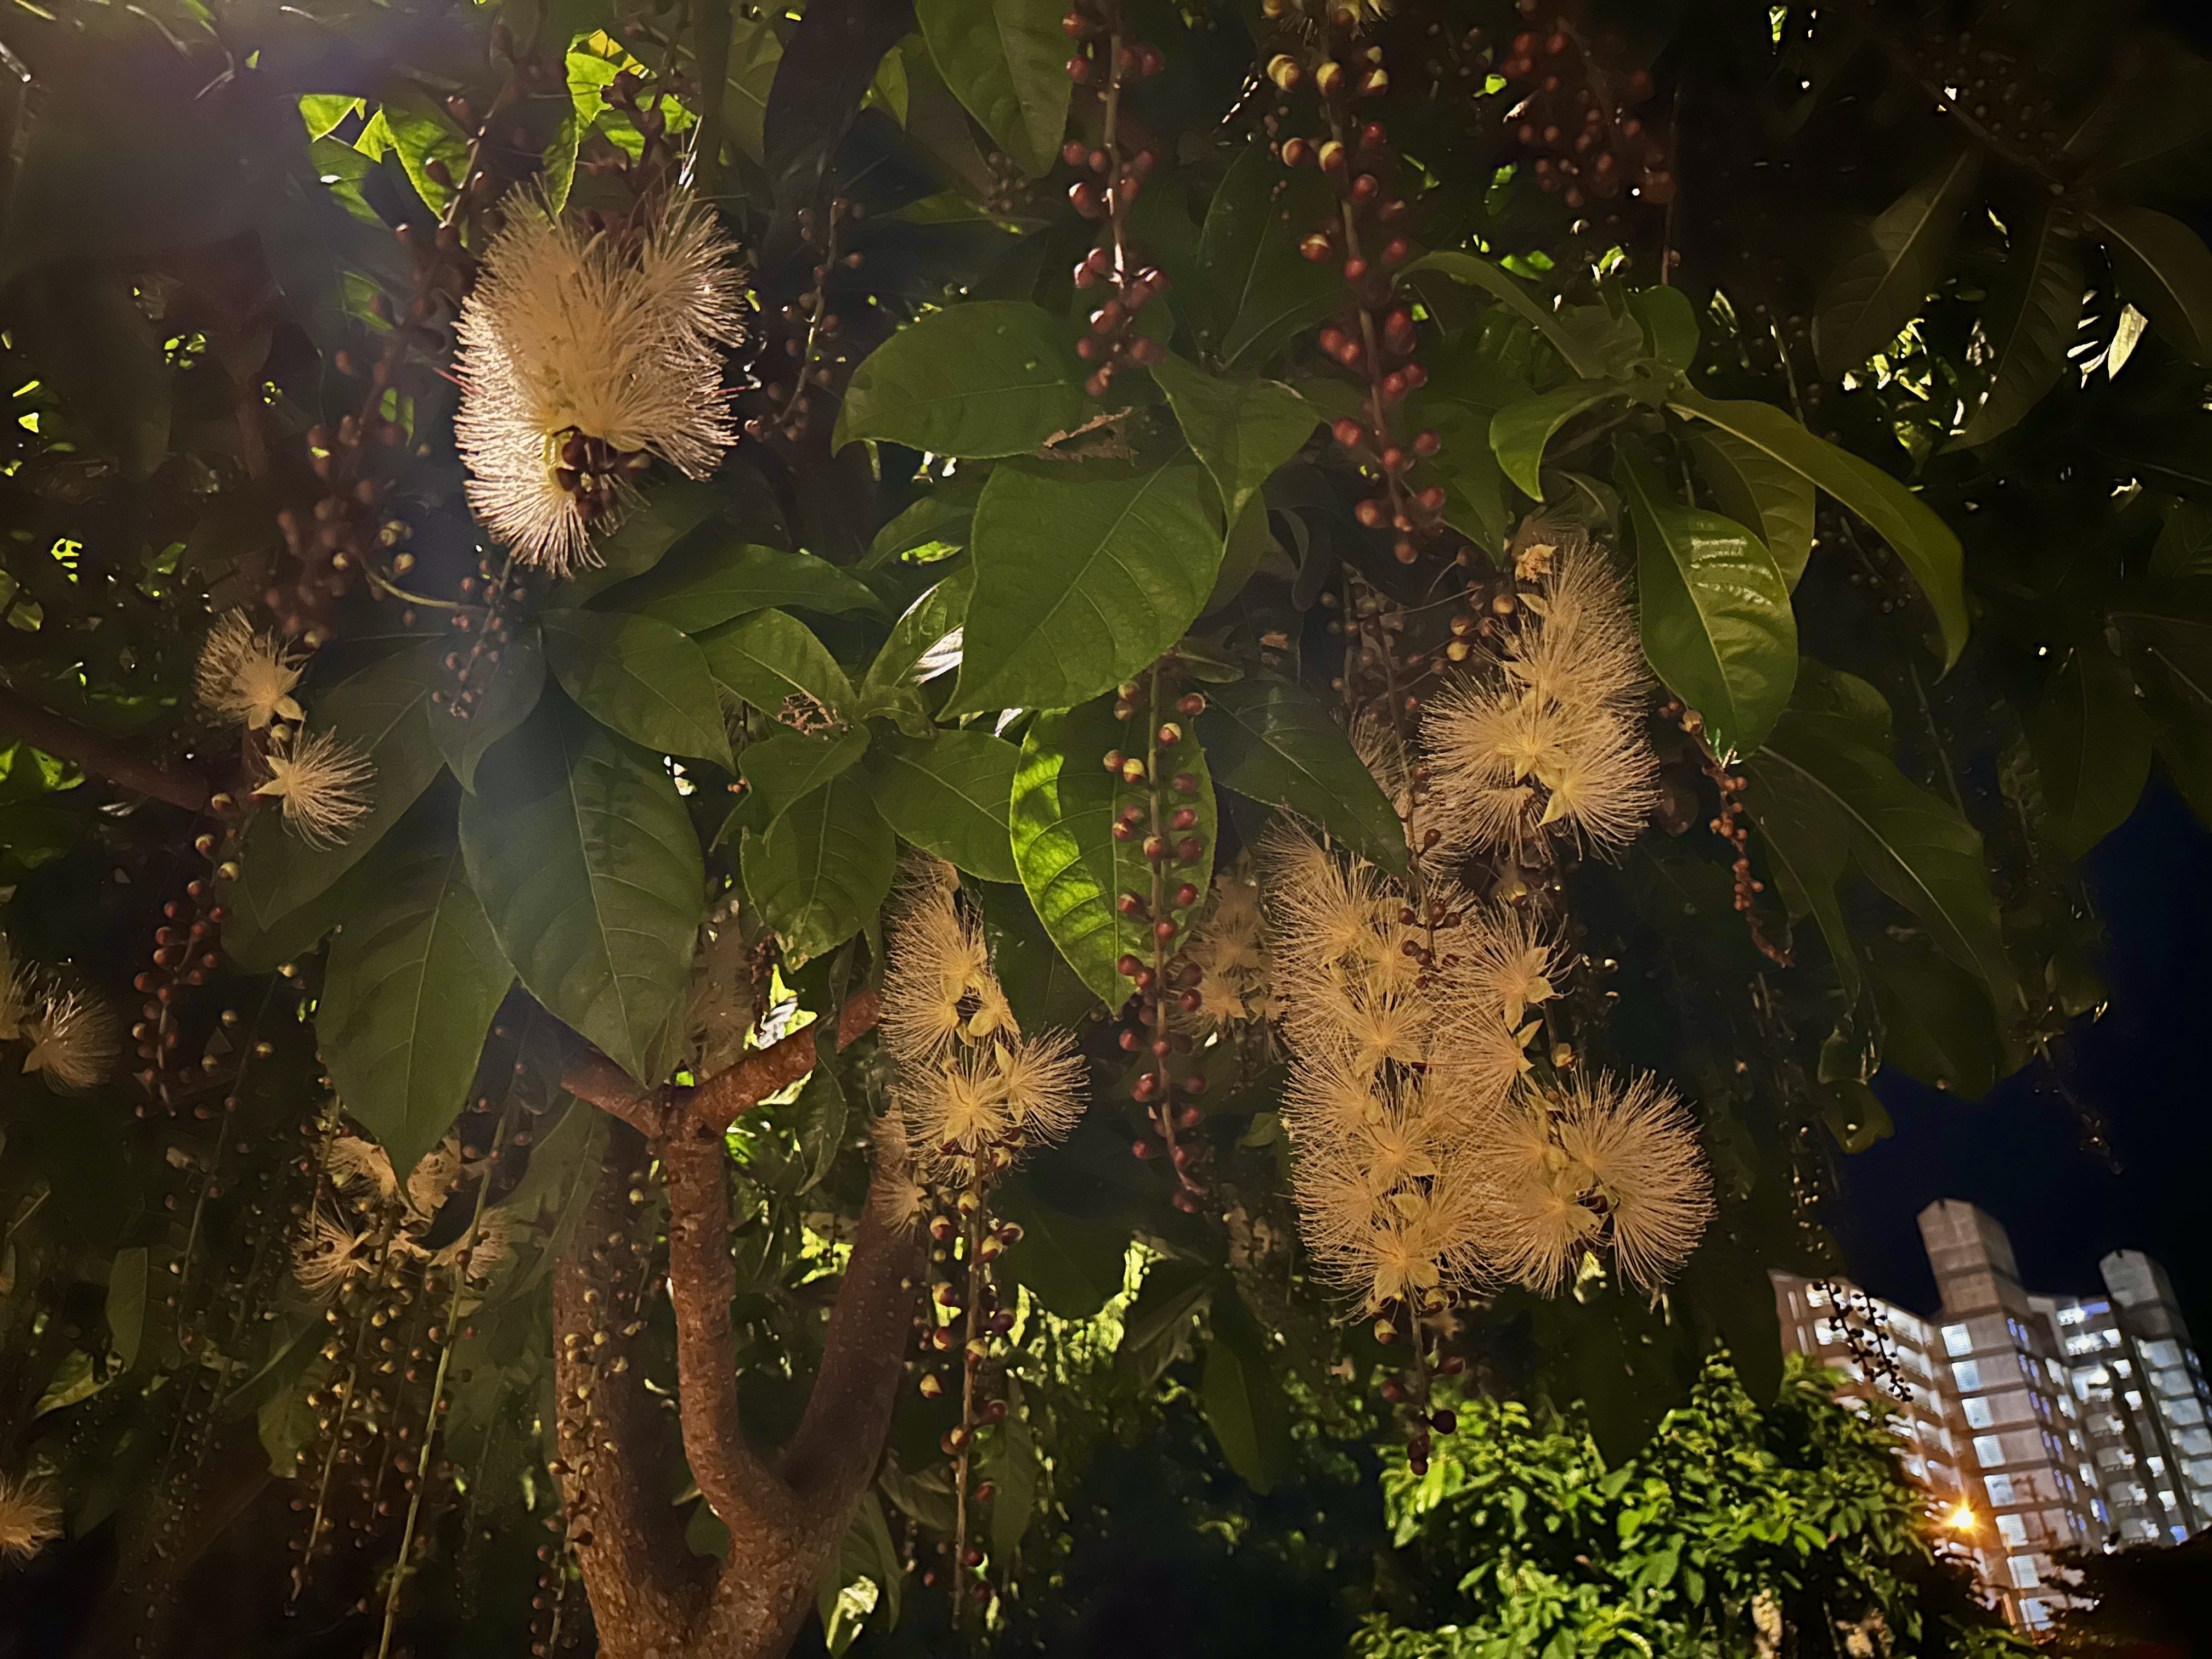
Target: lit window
[[1966, 1374], [2024, 1575], [1956, 1340], [2013, 1530], [1978, 1415], [1999, 1489], [1988, 1450]]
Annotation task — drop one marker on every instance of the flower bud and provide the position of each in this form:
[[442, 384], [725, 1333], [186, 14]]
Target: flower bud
[[1332, 156], [1297, 152], [1283, 70]]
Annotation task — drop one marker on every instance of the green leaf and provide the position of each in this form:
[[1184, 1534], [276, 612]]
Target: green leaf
[[1908, 524], [412, 983], [1276, 743], [1083, 577], [1158, 1323], [1240, 430], [665, 518], [716, 575], [821, 869], [1807, 846], [1871, 297], [1585, 355], [381, 712], [2184, 548], [1249, 247], [769, 657], [1007, 61], [951, 795], [1750, 486], [507, 690], [97, 351], [1936, 1025], [1477, 501], [989, 378], [2031, 325], [1072, 1264], [1670, 326], [2093, 747], [783, 768], [126, 1307], [1011, 1465], [1251, 538], [2163, 267], [646, 678], [756, 50], [1915, 848], [1241, 1394], [924, 641], [422, 133], [1042, 986], [1714, 612], [580, 849], [1519, 432], [1064, 807]]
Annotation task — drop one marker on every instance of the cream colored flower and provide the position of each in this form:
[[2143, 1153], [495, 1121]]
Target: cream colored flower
[[328, 1253], [320, 782], [961, 1110], [248, 677], [356, 1164], [896, 1193], [581, 356], [1041, 1081], [939, 989], [29, 1518], [74, 1037], [19, 996]]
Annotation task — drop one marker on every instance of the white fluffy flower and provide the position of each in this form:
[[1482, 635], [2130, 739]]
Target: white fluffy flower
[[29, 1518], [74, 1037], [582, 356], [319, 781], [248, 676]]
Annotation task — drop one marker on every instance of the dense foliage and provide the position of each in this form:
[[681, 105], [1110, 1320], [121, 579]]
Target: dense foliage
[[1194, 388]]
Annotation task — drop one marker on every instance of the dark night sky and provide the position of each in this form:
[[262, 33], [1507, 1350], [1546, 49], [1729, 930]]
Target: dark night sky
[[2017, 1153]]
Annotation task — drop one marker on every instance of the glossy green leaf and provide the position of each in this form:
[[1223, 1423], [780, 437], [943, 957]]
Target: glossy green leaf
[[1806, 844], [1249, 248], [382, 712], [1479, 502], [713, 577], [2092, 748], [990, 378], [822, 868], [782, 770], [1241, 1394], [1714, 611], [1083, 575], [1584, 356], [1750, 486], [413, 981], [646, 678], [1872, 296], [1064, 807], [2163, 267], [924, 641], [951, 795], [1936, 1025], [769, 657], [126, 1306], [643, 537], [1915, 847], [1276, 743], [1928, 546], [506, 691], [583, 856], [1076, 1265], [1670, 326], [2031, 325], [1519, 432], [1012, 1466], [1042, 986], [1007, 61], [1240, 430]]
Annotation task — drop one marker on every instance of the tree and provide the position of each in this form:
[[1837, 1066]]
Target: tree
[[479, 705]]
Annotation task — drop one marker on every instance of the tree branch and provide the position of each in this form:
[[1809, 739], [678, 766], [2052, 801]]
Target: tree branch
[[98, 754]]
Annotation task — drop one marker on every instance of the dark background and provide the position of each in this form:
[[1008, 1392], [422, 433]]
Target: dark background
[[2019, 1152]]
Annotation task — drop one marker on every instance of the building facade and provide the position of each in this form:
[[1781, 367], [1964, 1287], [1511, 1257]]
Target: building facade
[[2039, 1424]]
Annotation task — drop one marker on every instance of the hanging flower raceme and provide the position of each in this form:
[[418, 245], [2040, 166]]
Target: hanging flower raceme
[[585, 355], [1550, 734], [974, 1091], [376, 1220]]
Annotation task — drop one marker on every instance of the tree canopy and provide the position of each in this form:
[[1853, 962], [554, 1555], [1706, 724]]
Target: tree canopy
[[778, 776]]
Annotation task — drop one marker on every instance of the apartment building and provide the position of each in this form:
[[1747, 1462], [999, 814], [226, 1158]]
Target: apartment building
[[2038, 1423]]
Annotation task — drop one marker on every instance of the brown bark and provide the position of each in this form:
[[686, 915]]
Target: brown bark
[[98, 754], [786, 1513]]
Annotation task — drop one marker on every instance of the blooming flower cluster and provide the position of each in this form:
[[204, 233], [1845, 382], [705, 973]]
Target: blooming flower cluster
[[318, 778], [584, 354], [1550, 735], [70, 1037], [30, 1519], [378, 1218], [973, 1090]]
